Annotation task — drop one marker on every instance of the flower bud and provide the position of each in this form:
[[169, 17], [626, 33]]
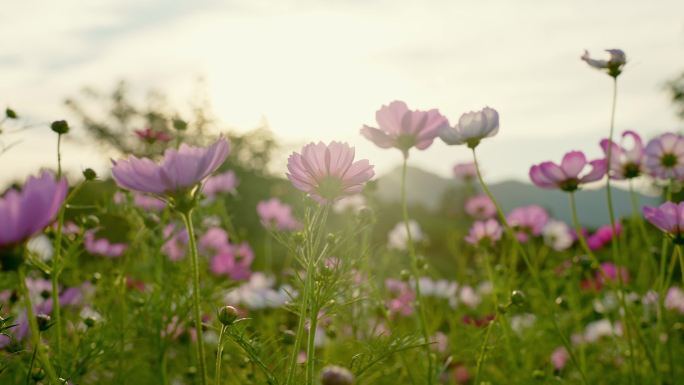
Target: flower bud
[[289, 337], [331, 238], [96, 277], [44, 322], [10, 114], [405, 275], [37, 374], [518, 298], [60, 126], [421, 263], [91, 221], [89, 174], [366, 216], [336, 375], [227, 315], [180, 124], [90, 321], [561, 303]]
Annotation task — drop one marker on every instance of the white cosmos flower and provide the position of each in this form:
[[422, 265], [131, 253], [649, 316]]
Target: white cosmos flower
[[472, 127]]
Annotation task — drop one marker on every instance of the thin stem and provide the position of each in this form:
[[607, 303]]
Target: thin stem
[[636, 213], [533, 271], [59, 156], [194, 261], [414, 265], [33, 325], [219, 353], [482, 355]]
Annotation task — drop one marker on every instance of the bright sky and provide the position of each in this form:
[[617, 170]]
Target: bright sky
[[318, 70]]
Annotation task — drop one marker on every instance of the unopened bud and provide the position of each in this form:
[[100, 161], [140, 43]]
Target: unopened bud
[[89, 174], [336, 375], [60, 126], [10, 114], [227, 315], [44, 322], [518, 298]]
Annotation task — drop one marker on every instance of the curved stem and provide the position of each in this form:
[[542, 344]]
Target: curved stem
[[194, 262], [533, 271], [33, 325], [219, 353], [414, 265]]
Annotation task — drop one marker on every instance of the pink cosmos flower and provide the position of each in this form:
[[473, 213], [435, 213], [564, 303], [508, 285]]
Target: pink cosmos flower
[[668, 217], [559, 358], [143, 201], [27, 212], [465, 171], [102, 246], [176, 242], [328, 172], [401, 298], [277, 215], [472, 127], [151, 136], [674, 299], [613, 65], [603, 236], [402, 128], [610, 273], [488, 231], [480, 207], [528, 221], [625, 163], [234, 261], [178, 171], [566, 176], [665, 156], [221, 183]]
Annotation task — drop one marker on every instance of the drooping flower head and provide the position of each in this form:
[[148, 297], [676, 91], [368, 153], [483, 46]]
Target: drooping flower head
[[566, 176], [277, 215], [179, 170], [27, 212], [465, 171], [402, 128], [625, 163], [527, 221], [480, 207], [488, 232], [668, 217], [328, 172], [613, 65], [665, 156], [472, 127]]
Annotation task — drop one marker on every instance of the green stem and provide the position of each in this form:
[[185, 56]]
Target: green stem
[[33, 325], [219, 353], [194, 261], [636, 213], [59, 156], [533, 271], [482, 355], [661, 288], [416, 273]]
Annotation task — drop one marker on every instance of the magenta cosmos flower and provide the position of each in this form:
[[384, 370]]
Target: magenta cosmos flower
[[465, 171], [625, 163], [178, 171], [665, 156], [528, 221], [668, 217], [480, 207], [276, 215], [613, 65], [221, 183], [566, 176], [27, 212], [402, 128], [328, 172], [603, 236], [472, 127], [488, 231]]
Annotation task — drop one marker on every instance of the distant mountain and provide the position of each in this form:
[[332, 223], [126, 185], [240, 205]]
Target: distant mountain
[[427, 189]]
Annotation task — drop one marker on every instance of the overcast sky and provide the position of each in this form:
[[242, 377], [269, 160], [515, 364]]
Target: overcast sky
[[318, 70]]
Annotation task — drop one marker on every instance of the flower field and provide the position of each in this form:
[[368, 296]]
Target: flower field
[[189, 262]]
